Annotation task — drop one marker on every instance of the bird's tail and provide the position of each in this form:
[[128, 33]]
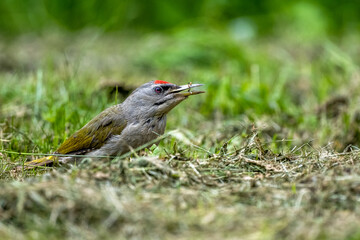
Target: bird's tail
[[41, 162]]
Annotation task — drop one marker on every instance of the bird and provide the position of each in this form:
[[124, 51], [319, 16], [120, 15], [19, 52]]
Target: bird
[[139, 119]]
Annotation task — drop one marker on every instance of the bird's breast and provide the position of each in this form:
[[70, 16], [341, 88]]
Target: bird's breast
[[134, 135], [153, 127]]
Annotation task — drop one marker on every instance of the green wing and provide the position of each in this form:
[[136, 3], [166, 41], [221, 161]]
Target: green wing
[[94, 134]]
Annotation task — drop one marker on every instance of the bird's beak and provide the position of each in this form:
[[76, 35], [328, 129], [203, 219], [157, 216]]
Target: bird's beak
[[188, 87]]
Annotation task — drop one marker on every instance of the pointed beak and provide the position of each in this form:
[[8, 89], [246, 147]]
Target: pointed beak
[[188, 87]]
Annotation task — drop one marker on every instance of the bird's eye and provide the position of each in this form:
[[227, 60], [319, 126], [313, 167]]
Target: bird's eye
[[158, 90]]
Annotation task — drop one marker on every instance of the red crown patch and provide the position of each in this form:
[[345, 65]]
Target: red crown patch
[[161, 82]]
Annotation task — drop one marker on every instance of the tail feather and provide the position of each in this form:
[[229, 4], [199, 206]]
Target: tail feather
[[45, 161], [41, 162]]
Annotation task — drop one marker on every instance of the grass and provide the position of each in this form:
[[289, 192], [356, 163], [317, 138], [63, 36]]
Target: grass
[[269, 152]]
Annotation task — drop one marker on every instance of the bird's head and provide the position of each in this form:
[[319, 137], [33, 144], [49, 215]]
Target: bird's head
[[158, 97]]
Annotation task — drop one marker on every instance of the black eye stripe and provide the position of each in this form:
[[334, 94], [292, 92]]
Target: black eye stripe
[[162, 88]]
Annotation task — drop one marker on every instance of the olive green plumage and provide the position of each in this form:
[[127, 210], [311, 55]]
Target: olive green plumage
[[94, 134]]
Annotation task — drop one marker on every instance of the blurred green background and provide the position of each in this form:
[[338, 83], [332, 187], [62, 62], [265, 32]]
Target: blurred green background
[[244, 18]]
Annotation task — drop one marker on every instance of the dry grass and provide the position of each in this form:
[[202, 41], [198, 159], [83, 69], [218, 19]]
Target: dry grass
[[303, 194]]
